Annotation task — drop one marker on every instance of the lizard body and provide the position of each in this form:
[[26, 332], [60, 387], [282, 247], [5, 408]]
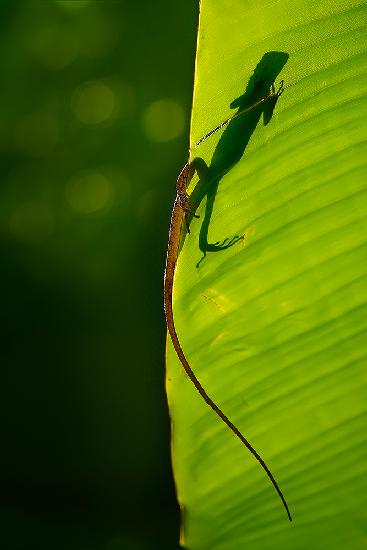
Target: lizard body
[[180, 211]]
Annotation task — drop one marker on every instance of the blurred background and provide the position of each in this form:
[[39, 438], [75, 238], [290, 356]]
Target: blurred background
[[95, 107]]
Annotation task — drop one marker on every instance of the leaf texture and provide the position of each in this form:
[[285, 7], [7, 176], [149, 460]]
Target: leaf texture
[[274, 326]]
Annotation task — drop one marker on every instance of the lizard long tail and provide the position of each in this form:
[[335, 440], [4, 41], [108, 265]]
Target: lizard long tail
[[202, 392]]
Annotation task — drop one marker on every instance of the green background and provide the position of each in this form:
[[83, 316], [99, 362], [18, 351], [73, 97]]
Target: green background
[[95, 108]]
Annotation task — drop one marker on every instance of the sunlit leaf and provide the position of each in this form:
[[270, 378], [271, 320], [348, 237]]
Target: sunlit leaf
[[274, 326]]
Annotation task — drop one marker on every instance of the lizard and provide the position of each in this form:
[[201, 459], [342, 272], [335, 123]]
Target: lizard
[[179, 217]]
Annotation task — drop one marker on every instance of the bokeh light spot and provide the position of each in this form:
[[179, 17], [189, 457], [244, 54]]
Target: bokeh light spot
[[31, 222], [163, 120], [89, 192], [94, 102]]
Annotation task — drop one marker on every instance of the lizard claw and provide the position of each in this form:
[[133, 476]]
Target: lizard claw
[[280, 89], [226, 243]]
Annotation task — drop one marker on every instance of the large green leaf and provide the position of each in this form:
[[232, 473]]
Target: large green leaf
[[275, 325]]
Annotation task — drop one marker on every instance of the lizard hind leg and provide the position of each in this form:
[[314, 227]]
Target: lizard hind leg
[[280, 89]]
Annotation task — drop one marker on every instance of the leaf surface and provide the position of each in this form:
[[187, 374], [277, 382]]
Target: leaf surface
[[274, 326]]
